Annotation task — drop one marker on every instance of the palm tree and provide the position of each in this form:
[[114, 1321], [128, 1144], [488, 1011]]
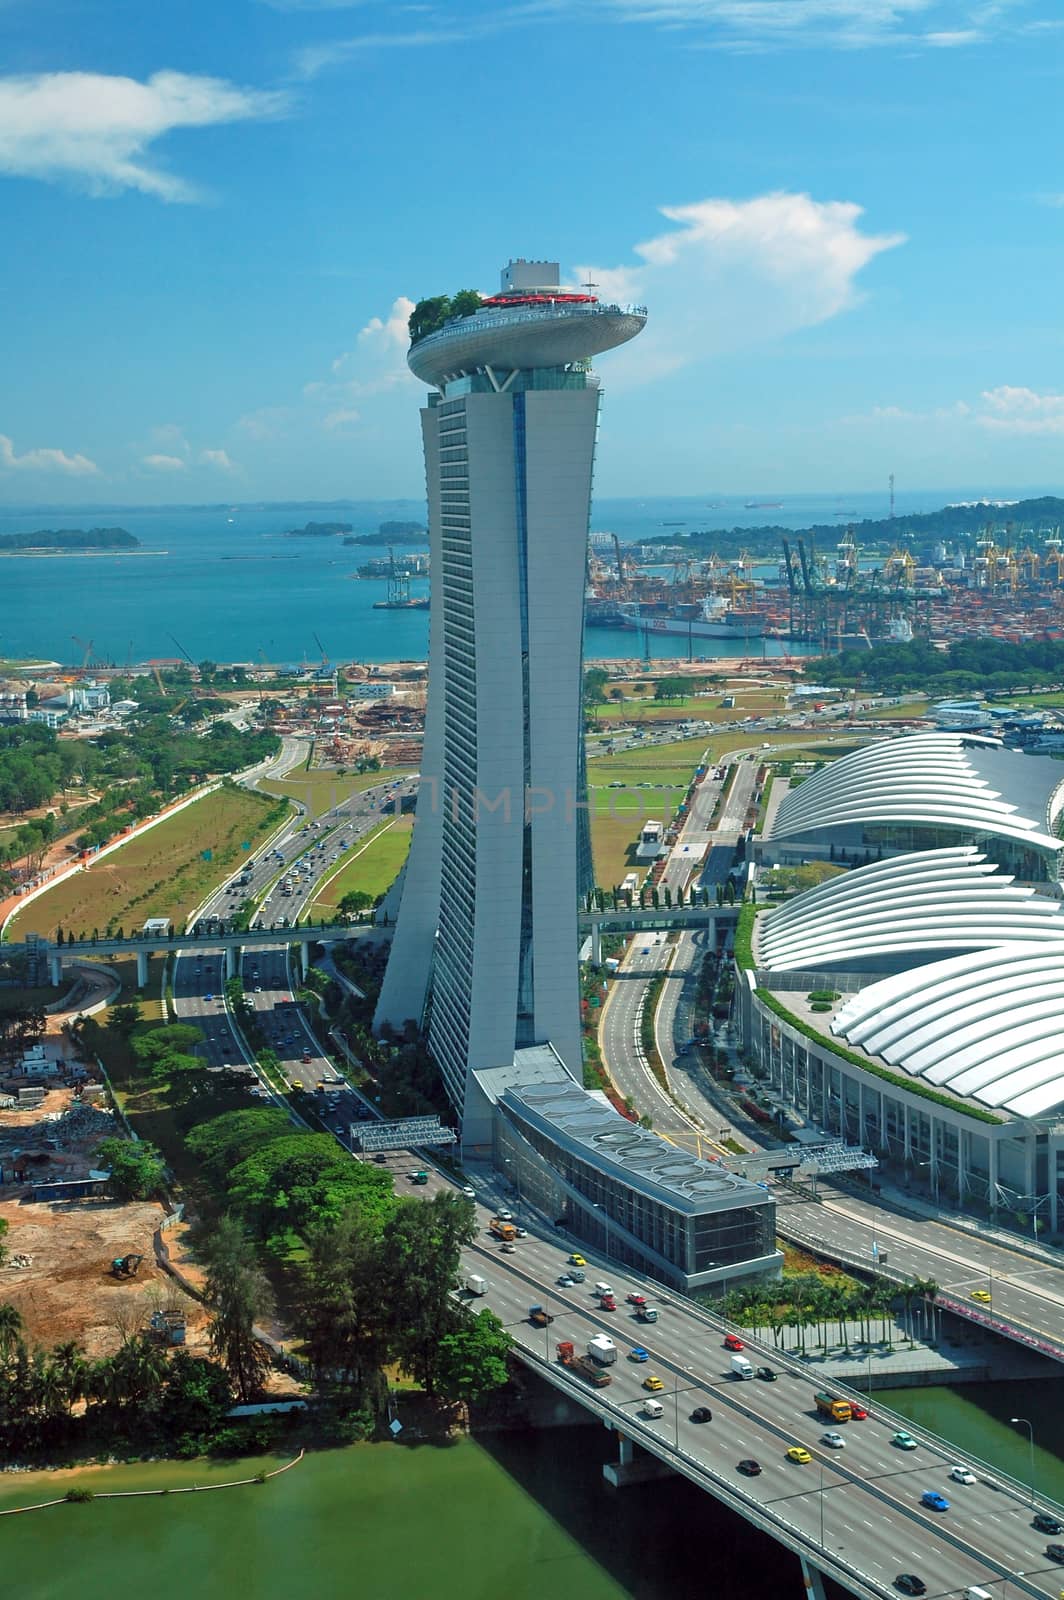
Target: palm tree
[[10, 1330], [72, 1371]]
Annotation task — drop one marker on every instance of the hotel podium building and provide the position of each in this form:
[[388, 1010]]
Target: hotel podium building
[[485, 945]]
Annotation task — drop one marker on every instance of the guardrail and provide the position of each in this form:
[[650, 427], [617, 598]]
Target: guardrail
[[1020, 1333], [770, 1521]]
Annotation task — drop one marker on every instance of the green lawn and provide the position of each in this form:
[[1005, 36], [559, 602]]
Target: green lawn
[[371, 866], [320, 791], [639, 705], [159, 873]]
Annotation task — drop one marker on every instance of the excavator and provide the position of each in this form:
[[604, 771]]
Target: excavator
[[126, 1266]]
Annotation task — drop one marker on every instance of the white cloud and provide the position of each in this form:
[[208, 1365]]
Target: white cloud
[[43, 461], [161, 463], [737, 273], [1017, 410], [343, 418], [216, 458], [376, 364], [97, 130]]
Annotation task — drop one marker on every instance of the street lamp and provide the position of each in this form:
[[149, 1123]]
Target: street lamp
[[1030, 1442]]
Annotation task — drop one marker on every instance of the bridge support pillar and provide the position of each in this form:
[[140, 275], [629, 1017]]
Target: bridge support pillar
[[142, 969], [232, 960], [304, 959], [55, 970], [813, 1579], [596, 944], [636, 1466]]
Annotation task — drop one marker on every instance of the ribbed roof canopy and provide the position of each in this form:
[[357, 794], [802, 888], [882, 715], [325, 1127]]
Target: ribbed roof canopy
[[954, 780], [987, 1026], [931, 901]]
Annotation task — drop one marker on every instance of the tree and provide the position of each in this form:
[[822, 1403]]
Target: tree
[[595, 680], [125, 1017], [471, 1361], [10, 1330], [422, 1244], [137, 1170], [354, 901], [345, 1286], [237, 1293]]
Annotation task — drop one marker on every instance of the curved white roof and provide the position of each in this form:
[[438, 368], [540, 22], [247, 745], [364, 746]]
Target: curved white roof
[[956, 780], [931, 901], [988, 1026]]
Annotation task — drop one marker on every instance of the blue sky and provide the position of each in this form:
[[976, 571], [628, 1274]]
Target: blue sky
[[846, 217]]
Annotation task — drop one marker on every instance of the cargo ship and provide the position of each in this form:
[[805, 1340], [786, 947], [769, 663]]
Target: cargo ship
[[711, 618]]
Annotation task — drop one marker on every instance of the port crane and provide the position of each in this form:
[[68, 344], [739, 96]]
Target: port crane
[[87, 648]]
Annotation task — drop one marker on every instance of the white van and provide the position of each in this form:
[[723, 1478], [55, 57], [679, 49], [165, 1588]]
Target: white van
[[975, 1593], [653, 1408], [602, 1288]]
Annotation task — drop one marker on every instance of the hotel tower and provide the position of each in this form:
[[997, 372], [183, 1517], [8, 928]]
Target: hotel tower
[[485, 946]]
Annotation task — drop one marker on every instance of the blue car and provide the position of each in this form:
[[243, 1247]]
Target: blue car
[[934, 1501], [637, 1353]]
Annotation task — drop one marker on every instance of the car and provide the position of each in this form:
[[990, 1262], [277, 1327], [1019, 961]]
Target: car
[[1055, 1552], [575, 1260], [909, 1583], [732, 1342], [297, 1083], [522, 1233], [749, 1468], [1045, 1523], [833, 1440], [904, 1441], [962, 1475], [505, 1216], [565, 1282], [306, 1058], [208, 997], [934, 1501], [577, 1274], [653, 1383], [509, 1248], [468, 1191], [858, 1412], [701, 1414], [767, 1374], [634, 1299], [637, 1353], [799, 1453], [982, 1295]]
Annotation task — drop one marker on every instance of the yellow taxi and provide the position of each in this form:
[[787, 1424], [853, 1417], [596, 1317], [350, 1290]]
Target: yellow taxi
[[799, 1453], [653, 1384], [296, 1084], [983, 1295], [576, 1260]]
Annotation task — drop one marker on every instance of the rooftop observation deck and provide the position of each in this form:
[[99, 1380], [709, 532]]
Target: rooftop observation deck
[[553, 333]]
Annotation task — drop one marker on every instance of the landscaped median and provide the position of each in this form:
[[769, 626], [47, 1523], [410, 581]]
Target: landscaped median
[[370, 867]]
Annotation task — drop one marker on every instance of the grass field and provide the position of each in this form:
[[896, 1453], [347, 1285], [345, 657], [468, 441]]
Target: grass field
[[371, 866], [320, 791], [639, 705], [159, 873]]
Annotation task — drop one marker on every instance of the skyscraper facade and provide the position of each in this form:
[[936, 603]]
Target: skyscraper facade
[[486, 940]]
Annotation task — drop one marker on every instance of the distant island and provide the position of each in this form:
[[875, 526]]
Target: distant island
[[950, 523], [319, 530], [48, 540], [393, 533]]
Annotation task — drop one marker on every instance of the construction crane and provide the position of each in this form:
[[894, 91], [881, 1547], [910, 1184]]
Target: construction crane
[[317, 641], [622, 584], [159, 681], [87, 648], [182, 649]]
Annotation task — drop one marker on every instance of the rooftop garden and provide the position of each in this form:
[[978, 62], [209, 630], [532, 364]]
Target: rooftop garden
[[429, 316]]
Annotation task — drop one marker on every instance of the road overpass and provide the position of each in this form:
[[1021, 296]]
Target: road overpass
[[853, 1514]]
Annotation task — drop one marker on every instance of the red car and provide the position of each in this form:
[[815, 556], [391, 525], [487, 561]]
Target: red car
[[607, 1303], [637, 1299], [858, 1413], [732, 1342]]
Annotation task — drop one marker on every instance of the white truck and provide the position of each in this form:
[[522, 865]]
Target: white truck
[[601, 1348], [475, 1284], [741, 1368]]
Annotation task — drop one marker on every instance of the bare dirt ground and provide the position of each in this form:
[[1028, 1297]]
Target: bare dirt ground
[[69, 1292]]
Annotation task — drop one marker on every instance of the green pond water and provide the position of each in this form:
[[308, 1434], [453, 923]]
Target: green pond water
[[521, 1515]]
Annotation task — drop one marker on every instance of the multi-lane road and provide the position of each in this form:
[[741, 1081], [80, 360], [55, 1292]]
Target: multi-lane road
[[299, 857], [865, 1496]]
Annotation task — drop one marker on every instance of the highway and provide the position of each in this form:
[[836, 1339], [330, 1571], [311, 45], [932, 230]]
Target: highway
[[872, 1518], [299, 857]]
